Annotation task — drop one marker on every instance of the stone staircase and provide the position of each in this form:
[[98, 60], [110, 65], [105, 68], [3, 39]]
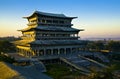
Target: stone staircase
[[84, 64], [77, 63], [101, 57], [93, 61], [95, 54]]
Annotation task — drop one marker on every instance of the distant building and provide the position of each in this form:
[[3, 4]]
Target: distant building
[[48, 34]]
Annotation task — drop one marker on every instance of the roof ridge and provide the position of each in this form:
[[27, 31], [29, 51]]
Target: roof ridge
[[49, 13], [52, 14]]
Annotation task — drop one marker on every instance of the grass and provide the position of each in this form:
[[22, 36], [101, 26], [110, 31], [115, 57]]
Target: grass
[[116, 64], [61, 71]]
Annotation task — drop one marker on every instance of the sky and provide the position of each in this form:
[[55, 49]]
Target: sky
[[99, 18]]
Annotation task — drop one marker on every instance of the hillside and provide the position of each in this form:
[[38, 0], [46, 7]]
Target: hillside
[[7, 73]]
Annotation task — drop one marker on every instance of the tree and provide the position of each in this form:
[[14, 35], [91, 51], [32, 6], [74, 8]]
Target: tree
[[106, 73], [113, 46], [6, 46], [99, 45], [95, 46]]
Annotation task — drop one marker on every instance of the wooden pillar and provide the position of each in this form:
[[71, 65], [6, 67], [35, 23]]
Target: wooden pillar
[[44, 50], [65, 51], [70, 50], [51, 51], [58, 51], [37, 52]]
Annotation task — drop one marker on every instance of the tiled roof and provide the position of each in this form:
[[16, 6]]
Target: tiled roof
[[50, 14], [51, 28], [22, 42], [50, 42], [57, 42]]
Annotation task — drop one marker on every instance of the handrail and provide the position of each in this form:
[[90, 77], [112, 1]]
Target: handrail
[[75, 66], [93, 61]]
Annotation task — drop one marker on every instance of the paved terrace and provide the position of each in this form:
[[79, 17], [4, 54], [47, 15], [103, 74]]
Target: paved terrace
[[76, 60]]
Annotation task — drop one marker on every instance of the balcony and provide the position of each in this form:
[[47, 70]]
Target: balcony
[[57, 24], [56, 38]]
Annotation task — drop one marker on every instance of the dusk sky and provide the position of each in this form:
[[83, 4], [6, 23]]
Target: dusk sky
[[99, 18]]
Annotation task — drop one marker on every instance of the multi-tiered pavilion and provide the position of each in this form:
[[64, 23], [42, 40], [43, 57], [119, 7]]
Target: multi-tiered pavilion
[[48, 34]]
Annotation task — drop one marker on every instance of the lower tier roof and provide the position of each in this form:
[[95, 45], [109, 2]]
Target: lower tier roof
[[49, 42], [56, 42]]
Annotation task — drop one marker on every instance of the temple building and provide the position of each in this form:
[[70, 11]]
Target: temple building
[[48, 34], [50, 38]]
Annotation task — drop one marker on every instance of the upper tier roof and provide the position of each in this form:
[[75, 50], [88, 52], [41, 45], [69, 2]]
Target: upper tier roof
[[50, 14], [52, 28]]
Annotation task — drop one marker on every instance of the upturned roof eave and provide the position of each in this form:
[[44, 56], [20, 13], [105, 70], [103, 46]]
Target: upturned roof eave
[[50, 30], [49, 14], [82, 29], [75, 30]]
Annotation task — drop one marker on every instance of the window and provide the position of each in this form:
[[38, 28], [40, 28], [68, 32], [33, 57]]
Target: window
[[48, 21], [43, 21], [39, 20], [62, 22], [55, 21]]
